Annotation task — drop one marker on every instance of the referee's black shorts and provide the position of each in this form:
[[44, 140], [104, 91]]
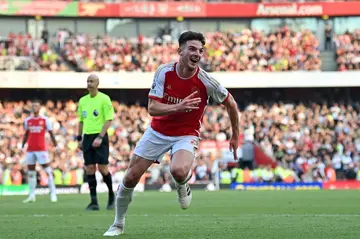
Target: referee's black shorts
[[93, 155]]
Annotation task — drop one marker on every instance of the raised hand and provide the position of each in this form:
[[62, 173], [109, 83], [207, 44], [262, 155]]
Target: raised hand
[[189, 103]]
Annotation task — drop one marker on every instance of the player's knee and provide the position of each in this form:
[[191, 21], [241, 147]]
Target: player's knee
[[179, 172], [48, 170], [90, 169], [131, 178]]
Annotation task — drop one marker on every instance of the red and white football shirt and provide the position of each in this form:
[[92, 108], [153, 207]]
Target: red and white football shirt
[[169, 88], [37, 127]]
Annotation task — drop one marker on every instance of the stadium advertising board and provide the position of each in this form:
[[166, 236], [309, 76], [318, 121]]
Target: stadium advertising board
[[14, 190], [10, 190], [41, 8], [283, 9], [341, 185], [176, 9], [345, 185], [98, 9], [166, 9], [276, 186]]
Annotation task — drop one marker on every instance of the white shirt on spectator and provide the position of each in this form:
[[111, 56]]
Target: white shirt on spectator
[[312, 160], [346, 160], [336, 160]]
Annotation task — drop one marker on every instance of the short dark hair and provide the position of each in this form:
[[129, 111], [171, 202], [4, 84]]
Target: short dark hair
[[189, 36]]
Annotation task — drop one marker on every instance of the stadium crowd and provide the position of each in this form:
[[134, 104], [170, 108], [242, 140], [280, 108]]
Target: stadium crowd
[[348, 50], [310, 142], [24, 45], [283, 50], [210, 1]]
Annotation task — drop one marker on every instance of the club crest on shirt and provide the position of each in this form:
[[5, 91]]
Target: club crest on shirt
[[84, 114], [194, 89], [96, 113]]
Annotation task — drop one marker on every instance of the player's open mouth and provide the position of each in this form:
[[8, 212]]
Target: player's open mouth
[[194, 60]]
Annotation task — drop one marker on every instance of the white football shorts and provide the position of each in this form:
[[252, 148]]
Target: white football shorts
[[42, 157], [153, 145]]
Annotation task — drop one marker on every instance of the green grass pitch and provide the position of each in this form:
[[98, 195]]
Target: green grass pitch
[[212, 215]]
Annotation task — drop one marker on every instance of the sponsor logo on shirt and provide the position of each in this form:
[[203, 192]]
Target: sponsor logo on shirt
[[36, 129], [171, 99]]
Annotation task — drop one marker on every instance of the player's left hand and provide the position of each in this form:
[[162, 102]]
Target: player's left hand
[[234, 144], [97, 142]]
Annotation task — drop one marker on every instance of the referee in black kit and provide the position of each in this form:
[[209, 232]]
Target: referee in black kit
[[96, 113]]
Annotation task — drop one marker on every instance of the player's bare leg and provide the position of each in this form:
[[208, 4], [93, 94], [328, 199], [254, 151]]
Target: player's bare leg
[[31, 178], [108, 181], [180, 168], [51, 183], [136, 169]]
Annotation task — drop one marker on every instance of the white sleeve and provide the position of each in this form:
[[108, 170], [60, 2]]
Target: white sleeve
[[220, 94], [48, 124], [157, 88], [214, 89], [26, 124]]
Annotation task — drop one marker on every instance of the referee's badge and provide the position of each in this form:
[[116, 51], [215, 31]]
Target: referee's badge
[[96, 113], [84, 114]]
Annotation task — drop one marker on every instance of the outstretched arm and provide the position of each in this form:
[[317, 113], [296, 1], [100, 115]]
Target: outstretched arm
[[232, 109]]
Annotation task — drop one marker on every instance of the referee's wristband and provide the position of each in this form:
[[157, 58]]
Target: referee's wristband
[[100, 137], [79, 138]]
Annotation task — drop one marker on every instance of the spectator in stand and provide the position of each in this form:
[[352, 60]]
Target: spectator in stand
[[282, 50], [306, 138], [248, 50], [45, 36], [119, 1], [328, 37], [311, 142], [23, 45], [348, 50]]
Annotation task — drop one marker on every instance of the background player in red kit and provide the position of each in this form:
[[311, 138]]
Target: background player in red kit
[[177, 100], [36, 127]]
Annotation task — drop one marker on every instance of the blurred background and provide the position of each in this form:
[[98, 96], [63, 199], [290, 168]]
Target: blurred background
[[292, 67]]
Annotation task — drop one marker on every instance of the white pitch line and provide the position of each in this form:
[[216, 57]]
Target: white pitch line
[[184, 215]]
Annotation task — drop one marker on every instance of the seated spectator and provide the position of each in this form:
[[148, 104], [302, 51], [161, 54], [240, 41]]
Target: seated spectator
[[311, 142], [23, 45], [283, 50], [348, 50]]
